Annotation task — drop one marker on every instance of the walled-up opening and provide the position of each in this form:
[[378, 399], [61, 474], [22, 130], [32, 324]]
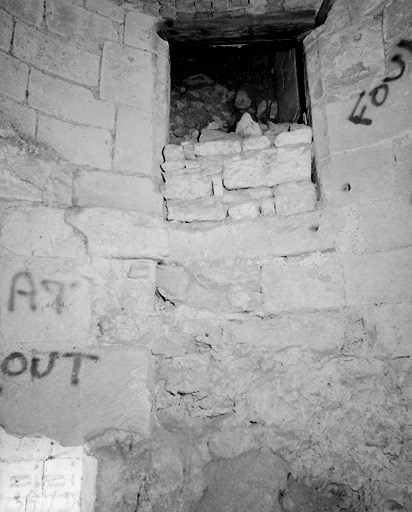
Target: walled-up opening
[[213, 85]]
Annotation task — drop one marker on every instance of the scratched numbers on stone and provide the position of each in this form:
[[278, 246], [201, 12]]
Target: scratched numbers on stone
[[379, 94]]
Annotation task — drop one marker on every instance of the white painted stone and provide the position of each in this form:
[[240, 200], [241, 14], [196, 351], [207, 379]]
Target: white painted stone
[[268, 167], [248, 210], [217, 147], [309, 283], [199, 210], [187, 185], [292, 198], [116, 233], [302, 135]]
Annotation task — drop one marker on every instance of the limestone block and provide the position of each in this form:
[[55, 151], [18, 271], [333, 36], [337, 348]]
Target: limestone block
[[248, 210], [106, 8], [6, 30], [310, 283], [116, 233], [140, 30], [13, 79], [301, 136], [217, 185], [217, 147], [61, 99], [292, 198], [313, 231], [386, 225], [196, 211], [392, 117], [185, 185], [173, 153], [40, 231], [244, 298], [14, 493], [394, 330], [96, 188], [351, 58], [134, 143], [23, 449], [379, 277], [127, 76], [211, 165], [78, 144], [267, 206], [20, 116], [81, 27], [246, 127], [44, 302], [260, 192], [26, 11], [268, 167], [172, 282], [171, 166], [102, 388], [397, 20], [25, 175], [359, 176], [51, 55], [190, 374], [256, 143]]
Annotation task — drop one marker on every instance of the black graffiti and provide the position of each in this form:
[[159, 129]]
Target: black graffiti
[[379, 94], [22, 285], [77, 363], [9, 361], [16, 364]]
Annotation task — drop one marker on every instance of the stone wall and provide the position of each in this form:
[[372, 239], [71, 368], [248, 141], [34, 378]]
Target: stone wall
[[200, 359]]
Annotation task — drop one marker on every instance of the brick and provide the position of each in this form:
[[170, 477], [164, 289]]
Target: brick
[[127, 76], [6, 30], [80, 26], [107, 8], [140, 30], [117, 233], [359, 176], [32, 11], [379, 277], [114, 390], [386, 225], [292, 198], [314, 231], [40, 231], [78, 144], [196, 211], [71, 102], [186, 185], [13, 78], [134, 143], [301, 136], [96, 188], [54, 56], [218, 147], [22, 118], [267, 167], [310, 283]]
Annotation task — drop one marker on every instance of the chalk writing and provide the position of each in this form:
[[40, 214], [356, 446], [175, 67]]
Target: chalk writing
[[16, 364], [379, 94], [22, 285]]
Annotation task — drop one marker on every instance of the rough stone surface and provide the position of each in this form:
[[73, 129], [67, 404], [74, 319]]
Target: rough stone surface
[[301, 136], [249, 482], [94, 396], [184, 185], [200, 211], [6, 26], [292, 198], [217, 147], [13, 79], [268, 167]]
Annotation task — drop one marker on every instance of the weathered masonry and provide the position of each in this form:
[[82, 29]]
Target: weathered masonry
[[219, 318]]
